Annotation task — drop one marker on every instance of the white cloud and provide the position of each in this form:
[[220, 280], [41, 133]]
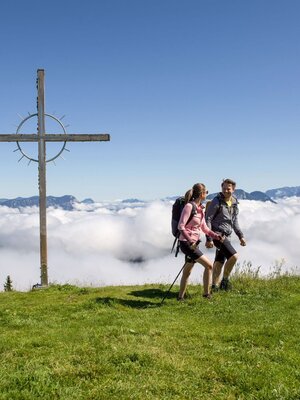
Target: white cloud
[[92, 245]]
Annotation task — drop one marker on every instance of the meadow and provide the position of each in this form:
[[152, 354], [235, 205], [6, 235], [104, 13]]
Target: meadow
[[67, 342]]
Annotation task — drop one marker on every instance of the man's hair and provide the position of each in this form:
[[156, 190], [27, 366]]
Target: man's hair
[[229, 182]]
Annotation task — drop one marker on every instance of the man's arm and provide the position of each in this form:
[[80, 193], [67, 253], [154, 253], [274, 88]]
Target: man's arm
[[237, 229]]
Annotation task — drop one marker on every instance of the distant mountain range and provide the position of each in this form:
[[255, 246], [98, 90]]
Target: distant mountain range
[[281, 193], [270, 195], [242, 195], [66, 202], [69, 202]]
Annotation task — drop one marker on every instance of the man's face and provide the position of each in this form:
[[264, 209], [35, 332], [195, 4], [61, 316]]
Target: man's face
[[227, 190]]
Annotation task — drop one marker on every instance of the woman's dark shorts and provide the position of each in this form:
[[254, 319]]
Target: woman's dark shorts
[[224, 250], [191, 254]]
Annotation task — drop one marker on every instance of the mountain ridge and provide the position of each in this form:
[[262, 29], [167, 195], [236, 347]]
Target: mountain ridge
[[68, 202]]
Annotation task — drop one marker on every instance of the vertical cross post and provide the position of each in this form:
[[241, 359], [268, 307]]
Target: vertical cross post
[[42, 176], [41, 138]]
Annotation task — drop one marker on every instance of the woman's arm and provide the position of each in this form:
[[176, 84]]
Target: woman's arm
[[208, 231]]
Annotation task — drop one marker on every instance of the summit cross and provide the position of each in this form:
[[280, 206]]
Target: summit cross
[[41, 138]]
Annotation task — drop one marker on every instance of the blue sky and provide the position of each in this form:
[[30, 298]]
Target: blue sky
[[190, 91]]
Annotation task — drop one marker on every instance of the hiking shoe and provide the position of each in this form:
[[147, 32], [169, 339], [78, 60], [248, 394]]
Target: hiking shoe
[[180, 298], [214, 288], [207, 296], [225, 284]]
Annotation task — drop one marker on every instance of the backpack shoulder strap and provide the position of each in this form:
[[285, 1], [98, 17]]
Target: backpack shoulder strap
[[219, 205], [193, 212]]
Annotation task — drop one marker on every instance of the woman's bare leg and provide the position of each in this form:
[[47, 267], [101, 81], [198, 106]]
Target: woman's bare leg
[[207, 275], [184, 279]]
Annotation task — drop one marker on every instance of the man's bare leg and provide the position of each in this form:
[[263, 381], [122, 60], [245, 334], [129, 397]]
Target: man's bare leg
[[217, 272], [225, 284], [228, 267]]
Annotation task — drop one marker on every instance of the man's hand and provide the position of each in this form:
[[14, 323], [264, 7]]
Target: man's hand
[[242, 242], [222, 238], [209, 244]]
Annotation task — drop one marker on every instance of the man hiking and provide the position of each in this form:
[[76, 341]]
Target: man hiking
[[222, 217]]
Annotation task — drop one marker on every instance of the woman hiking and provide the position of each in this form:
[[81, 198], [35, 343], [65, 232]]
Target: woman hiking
[[189, 239]]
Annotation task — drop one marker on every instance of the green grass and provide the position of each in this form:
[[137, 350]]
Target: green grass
[[66, 342]]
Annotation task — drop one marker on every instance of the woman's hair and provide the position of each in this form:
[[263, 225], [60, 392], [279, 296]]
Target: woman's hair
[[195, 192]]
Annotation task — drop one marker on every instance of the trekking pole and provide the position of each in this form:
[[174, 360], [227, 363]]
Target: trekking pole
[[172, 284], [174, 243]]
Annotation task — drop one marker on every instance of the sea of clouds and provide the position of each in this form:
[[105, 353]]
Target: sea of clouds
[[103, 244]]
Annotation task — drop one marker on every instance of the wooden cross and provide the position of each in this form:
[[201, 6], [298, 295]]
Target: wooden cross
[[41, 138]]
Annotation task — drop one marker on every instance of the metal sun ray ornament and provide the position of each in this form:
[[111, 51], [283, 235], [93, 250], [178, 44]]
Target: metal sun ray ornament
[[41, 138], [24, 154]]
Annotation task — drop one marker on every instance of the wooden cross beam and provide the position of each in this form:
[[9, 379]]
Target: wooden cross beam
[[41, 138]]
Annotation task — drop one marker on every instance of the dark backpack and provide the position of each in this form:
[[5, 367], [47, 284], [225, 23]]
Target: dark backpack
[[176, 214]]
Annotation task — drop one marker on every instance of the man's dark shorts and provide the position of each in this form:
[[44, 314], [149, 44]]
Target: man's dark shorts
[[191, 255], [224, 250]]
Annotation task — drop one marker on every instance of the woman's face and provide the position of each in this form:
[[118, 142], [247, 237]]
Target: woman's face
[[203, 194]]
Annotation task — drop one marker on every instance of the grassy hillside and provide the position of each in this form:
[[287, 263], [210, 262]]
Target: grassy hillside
[[73, 343]]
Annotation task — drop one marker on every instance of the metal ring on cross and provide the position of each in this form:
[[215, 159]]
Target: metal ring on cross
[[46, 115]]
